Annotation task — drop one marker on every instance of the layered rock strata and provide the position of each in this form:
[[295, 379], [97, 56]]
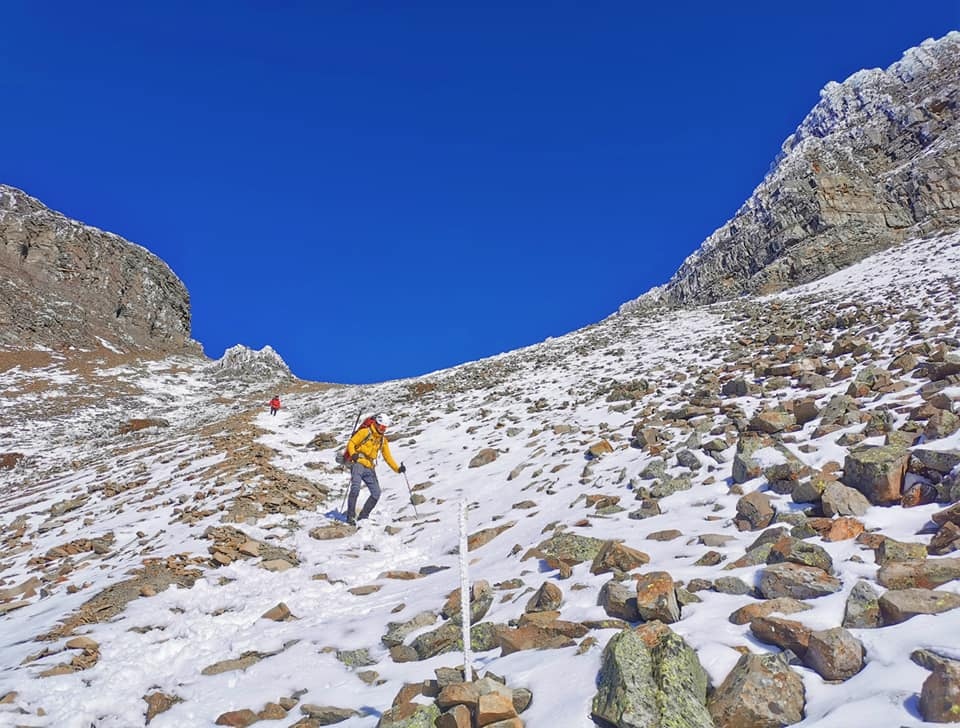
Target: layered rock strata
[[875, 163], [68, 284]]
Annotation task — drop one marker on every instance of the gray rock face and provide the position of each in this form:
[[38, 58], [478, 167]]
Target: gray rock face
[[876, 162], [71, 283]]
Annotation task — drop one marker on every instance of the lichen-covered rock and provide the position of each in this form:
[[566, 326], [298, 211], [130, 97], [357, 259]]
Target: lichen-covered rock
[[877, 472], [863, 607], [794, 580], [797, 551], [651, 678], [410, 715], [891, 550], [397, 631], [614, 555], [899, 605], [926, 574], [571, 548], [940, 695], [444, 638]]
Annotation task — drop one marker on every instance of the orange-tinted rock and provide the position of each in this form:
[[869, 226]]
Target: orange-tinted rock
[[843, 529], [237, 718]]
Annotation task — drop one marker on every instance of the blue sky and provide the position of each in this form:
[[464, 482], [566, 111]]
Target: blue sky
[[379, 190]]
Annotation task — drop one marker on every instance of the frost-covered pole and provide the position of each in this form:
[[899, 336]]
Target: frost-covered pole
[[465, 593]]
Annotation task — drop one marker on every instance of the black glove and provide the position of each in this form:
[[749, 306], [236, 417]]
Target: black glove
[[402, 468], [355, 458]]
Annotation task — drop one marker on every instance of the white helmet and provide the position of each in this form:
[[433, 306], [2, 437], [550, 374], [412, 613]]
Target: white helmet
[[383, 420]]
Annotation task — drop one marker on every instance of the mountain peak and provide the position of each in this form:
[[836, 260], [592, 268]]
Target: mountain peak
[[251, 365], [873, 164]]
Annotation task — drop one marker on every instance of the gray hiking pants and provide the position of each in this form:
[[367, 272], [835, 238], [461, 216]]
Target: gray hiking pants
[[362, 475]]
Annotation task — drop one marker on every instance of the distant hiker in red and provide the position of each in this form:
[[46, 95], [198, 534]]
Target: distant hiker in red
[[362, 451], [274, 405]]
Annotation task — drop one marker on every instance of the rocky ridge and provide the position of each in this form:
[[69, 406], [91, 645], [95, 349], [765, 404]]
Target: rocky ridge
[[70, 284], [252, 366], [876, 162]]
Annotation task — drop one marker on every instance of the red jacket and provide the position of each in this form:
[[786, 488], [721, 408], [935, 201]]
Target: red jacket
[[275, 403]]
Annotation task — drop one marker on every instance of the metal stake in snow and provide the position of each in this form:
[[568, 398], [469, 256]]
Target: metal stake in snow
[[465, 594]]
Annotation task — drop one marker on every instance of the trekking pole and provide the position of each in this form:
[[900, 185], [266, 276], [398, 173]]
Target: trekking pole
[[411, 496]]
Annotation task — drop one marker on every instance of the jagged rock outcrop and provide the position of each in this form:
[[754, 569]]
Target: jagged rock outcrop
[[66, 284], [245, 364], [876, 162]]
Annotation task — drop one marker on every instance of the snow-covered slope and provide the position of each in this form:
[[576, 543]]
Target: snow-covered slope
[[160, 512]]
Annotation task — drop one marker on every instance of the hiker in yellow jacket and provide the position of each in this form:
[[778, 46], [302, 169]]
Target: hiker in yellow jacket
[[362, 451]]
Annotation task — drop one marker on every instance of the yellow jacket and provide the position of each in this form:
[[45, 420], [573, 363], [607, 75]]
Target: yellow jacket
[[369, 443]]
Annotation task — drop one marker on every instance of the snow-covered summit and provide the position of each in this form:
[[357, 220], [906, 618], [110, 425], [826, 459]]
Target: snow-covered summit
[[250, 365]]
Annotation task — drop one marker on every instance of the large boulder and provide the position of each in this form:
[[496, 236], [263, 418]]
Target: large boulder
[[877, 472], [615, 556], [649, 678], [760, 692], [841, 500], [834, 653], [925, 574], [899, 605]]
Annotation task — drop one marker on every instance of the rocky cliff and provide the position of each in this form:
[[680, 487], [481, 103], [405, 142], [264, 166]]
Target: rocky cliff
[[69, 284], [876, 162]]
